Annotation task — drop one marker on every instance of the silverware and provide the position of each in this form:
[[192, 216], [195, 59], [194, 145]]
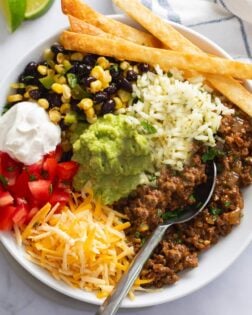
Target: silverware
[[203, 194]]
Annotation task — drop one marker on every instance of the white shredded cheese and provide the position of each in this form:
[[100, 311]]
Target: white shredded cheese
[[180, 111]]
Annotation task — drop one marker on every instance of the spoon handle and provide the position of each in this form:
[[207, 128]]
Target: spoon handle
[[112, 303]]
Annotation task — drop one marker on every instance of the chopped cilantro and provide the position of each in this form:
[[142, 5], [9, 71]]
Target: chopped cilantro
[[3, 180], [11, 168], [215, 211], [211, 154], [143, 240], [169, 74], [192, 198], [32, 177], [72, 80], [138, 234], [227, 203], [114, 67], [172, 214], [149, 128], [151, 177]]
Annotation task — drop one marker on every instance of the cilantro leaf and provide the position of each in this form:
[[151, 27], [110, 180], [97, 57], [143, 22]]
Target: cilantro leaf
[[3, 180], [211, 154], [148, 127]]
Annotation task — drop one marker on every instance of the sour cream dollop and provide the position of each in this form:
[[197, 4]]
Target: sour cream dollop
[[27, 133]]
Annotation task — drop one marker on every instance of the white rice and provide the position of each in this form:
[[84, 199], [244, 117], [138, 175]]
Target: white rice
[[181, 111]]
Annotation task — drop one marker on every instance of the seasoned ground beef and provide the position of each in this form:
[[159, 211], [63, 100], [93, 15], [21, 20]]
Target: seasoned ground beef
[[182, 243]]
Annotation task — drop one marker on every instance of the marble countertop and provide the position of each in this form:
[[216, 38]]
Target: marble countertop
[[21, 294]]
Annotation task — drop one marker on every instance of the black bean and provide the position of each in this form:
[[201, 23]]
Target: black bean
[[57, 48], [143, 67], [100, 97], [28, 79], [90, 60], [115, 73], [35, 94], [87, 81], [111, 89], [54, 99], [125, 85], [131, 75], [31, 68], [108, 107], [84, 70]]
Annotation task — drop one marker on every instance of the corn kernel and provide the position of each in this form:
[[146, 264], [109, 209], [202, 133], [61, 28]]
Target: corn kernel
[[60, 58], [107, 77], [65, 108], [59, 69], [124, 96], [42, 70], [86, 104], [17, 85], [92, 120], [97, 72], [29, 88], [43, 102], [59, 78], [135, 69], [90, 112], [66, 92], [26, 95], [118, 103], [95, 86], [124, 65], [50, 72], [57, 88], [48, 54], [14, 98], [76, 56], [103, 62], [54, 115]]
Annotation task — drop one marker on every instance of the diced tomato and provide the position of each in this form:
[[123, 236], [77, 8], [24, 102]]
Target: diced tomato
[[59, 195], [67, 170], [50, 166], [21, 214], [6, 199], [35, 170], [40, 190], [21, 188], [9, 168], [6, 216]]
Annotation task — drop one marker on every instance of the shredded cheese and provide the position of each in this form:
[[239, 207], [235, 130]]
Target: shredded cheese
[[84, 244]]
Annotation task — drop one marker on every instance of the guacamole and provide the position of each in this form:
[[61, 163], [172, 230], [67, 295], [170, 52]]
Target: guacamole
[[112, 155]]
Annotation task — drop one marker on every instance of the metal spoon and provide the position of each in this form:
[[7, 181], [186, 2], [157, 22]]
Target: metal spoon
[[202, 193]]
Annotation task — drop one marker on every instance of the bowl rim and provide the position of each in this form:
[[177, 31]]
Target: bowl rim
[[22, 261]]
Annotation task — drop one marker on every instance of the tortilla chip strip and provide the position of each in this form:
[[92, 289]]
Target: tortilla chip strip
[[125, 50], [172, 39], [79, 26], [82, 11]]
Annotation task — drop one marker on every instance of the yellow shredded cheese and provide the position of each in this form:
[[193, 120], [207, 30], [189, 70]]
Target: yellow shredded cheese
[[84, 244]]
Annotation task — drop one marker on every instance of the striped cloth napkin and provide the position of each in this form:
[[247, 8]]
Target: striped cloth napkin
[[211, 18]]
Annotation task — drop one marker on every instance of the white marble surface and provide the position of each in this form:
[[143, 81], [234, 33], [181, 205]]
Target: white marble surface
[[20, 294]]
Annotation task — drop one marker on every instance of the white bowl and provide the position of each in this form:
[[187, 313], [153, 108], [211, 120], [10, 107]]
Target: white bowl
[[212, 263]]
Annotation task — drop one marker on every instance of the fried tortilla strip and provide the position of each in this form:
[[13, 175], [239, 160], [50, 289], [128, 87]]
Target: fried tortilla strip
[[79, 26], [172, 39], [83, 12], [167, 59]]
